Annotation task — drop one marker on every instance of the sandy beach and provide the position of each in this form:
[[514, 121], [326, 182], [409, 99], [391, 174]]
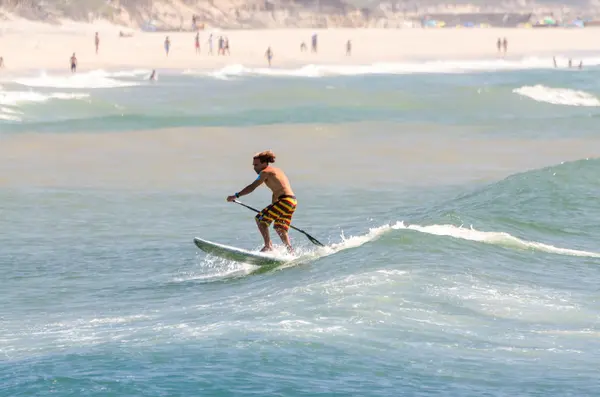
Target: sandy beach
[[29, 46]]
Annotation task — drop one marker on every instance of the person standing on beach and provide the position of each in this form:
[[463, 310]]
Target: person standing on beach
[[348, 48], [499, 45], [167, 45], [220, 51], [226, 46], [1, 63], [197, 43], [314, 43], [505, 45], [269, 55], [73, 63], [97, 42], [554, 60], [210, 44]]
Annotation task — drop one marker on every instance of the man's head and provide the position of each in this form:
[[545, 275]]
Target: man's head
[[261, 160]]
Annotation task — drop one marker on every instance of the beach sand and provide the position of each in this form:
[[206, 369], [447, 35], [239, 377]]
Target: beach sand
[[29, 46]]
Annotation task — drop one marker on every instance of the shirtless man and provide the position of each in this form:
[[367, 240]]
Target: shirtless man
[[283, 203]]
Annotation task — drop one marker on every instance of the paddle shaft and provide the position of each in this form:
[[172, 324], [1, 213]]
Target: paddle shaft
[[311, 238]]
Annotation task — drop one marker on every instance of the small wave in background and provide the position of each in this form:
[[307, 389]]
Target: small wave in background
[[424, 67], [558, 96], [94, 79]]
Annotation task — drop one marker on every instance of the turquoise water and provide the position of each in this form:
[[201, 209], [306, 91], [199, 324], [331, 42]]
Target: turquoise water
[[459, 211]]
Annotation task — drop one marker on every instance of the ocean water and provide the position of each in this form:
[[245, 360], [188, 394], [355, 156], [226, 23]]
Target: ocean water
[[458, 202]]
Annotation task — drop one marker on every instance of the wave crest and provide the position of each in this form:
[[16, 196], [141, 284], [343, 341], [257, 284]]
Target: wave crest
[[558, 96]]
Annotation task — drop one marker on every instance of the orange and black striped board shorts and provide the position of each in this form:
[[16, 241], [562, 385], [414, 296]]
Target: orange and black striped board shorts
[[280, 213]]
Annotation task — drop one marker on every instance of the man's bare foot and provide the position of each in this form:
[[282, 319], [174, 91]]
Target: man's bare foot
[[266, 249]]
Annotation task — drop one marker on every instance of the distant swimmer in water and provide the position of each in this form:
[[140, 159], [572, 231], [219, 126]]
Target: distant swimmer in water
[[283, 202], [153, 75], [73, 63]]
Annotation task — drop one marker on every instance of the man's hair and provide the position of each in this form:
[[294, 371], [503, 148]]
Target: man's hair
[[265, 157]]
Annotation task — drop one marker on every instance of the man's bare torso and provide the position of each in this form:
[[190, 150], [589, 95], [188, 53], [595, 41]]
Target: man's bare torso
[[277, 181]]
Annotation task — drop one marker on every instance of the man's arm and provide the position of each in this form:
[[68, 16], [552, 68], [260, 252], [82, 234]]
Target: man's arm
[[250, 188]]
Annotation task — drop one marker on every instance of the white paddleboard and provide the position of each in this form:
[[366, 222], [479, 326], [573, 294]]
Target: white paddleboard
[[238, 254]]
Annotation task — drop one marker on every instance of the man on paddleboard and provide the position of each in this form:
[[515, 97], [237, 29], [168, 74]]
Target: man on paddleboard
[[283, 203]]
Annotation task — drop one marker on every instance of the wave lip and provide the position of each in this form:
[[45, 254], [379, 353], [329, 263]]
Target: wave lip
[[558, 96], [445, 66], [93, 79], [10, 101], [9, 114], [502, 239], [15, 98]]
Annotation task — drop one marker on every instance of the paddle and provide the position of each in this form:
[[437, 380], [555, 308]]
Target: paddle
[[311, 238]]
